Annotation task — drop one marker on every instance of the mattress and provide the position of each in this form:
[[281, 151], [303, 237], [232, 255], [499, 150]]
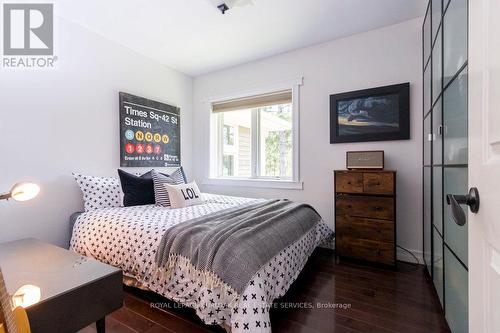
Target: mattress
[[128, 237]]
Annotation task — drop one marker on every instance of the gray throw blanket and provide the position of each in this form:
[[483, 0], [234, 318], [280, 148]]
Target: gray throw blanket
[[230, 246]]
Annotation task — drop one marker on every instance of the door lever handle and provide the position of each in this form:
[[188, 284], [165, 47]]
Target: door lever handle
[[455, 200]]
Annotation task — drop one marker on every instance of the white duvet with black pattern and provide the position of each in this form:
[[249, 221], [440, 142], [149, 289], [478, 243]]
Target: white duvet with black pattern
[[128, 237]]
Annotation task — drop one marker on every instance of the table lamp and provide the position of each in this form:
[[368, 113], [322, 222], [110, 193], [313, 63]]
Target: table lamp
[[22, 192]]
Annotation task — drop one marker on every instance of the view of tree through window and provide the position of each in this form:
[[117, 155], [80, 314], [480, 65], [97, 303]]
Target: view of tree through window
[[276, 140]]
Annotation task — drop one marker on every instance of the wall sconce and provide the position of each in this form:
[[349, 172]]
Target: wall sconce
[[22, 192]]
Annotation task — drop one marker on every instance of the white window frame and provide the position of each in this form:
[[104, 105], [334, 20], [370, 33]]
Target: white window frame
[[212, 165]]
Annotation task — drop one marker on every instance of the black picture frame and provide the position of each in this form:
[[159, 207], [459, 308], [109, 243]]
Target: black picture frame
[[152, 126], [387, 102]]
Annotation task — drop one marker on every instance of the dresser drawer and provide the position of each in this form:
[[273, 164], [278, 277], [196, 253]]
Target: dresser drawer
[[378, 183], [349, 182], [365, 250], [364, 206], [364, 228]]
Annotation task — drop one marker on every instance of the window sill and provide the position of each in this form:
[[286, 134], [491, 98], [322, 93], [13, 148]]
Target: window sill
[[259, 183]]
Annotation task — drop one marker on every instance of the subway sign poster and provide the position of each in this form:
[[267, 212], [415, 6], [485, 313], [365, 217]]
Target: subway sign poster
[[149, 133]]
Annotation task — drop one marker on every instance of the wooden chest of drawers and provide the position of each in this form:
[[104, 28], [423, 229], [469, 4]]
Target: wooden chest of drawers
[[365, 215]]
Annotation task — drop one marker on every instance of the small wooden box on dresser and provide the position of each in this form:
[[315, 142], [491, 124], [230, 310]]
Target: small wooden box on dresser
[[365, 215]]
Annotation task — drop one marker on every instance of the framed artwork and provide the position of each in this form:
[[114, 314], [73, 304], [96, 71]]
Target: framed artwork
[[149, 133], [376, 114]]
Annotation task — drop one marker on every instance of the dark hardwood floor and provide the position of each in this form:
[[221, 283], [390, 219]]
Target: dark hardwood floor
[[369, 300]]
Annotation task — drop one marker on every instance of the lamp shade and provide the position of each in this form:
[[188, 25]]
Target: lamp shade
[[24, 191], [26, 295]]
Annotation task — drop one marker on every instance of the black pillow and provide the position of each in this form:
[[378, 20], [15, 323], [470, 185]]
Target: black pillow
[[137, 190]]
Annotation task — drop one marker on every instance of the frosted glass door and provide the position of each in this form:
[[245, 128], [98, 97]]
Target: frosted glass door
[[455, 162], [445, 153]]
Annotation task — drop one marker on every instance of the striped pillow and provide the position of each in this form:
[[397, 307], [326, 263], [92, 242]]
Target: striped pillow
[[179, 176], [161, 193]]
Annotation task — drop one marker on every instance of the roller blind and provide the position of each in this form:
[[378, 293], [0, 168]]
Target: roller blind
[[279, 97]]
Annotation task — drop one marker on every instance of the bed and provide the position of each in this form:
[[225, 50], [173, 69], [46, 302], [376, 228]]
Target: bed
[[128, 237]]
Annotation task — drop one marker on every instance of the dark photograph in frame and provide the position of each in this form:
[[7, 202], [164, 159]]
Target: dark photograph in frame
[[376, 114]]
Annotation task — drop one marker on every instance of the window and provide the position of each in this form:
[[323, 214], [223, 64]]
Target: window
[[253, 138]]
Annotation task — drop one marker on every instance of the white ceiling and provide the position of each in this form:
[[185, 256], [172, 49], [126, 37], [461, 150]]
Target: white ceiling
[[193, 37]]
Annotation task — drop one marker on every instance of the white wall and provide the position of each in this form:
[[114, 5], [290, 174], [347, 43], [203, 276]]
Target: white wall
[[381, 57], [54, 122]]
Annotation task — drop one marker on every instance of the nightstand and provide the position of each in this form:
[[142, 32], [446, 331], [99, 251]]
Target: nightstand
[[75, 290]]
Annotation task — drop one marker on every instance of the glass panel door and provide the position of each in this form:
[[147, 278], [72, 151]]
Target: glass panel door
[[445, 158], [455, 161]]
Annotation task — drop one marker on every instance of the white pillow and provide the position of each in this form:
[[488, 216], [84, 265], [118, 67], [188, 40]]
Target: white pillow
[[183, 195], [99, 192]]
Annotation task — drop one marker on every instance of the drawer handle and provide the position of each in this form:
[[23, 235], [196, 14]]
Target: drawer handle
[[377, 208], [378, 184], [348, 183]]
